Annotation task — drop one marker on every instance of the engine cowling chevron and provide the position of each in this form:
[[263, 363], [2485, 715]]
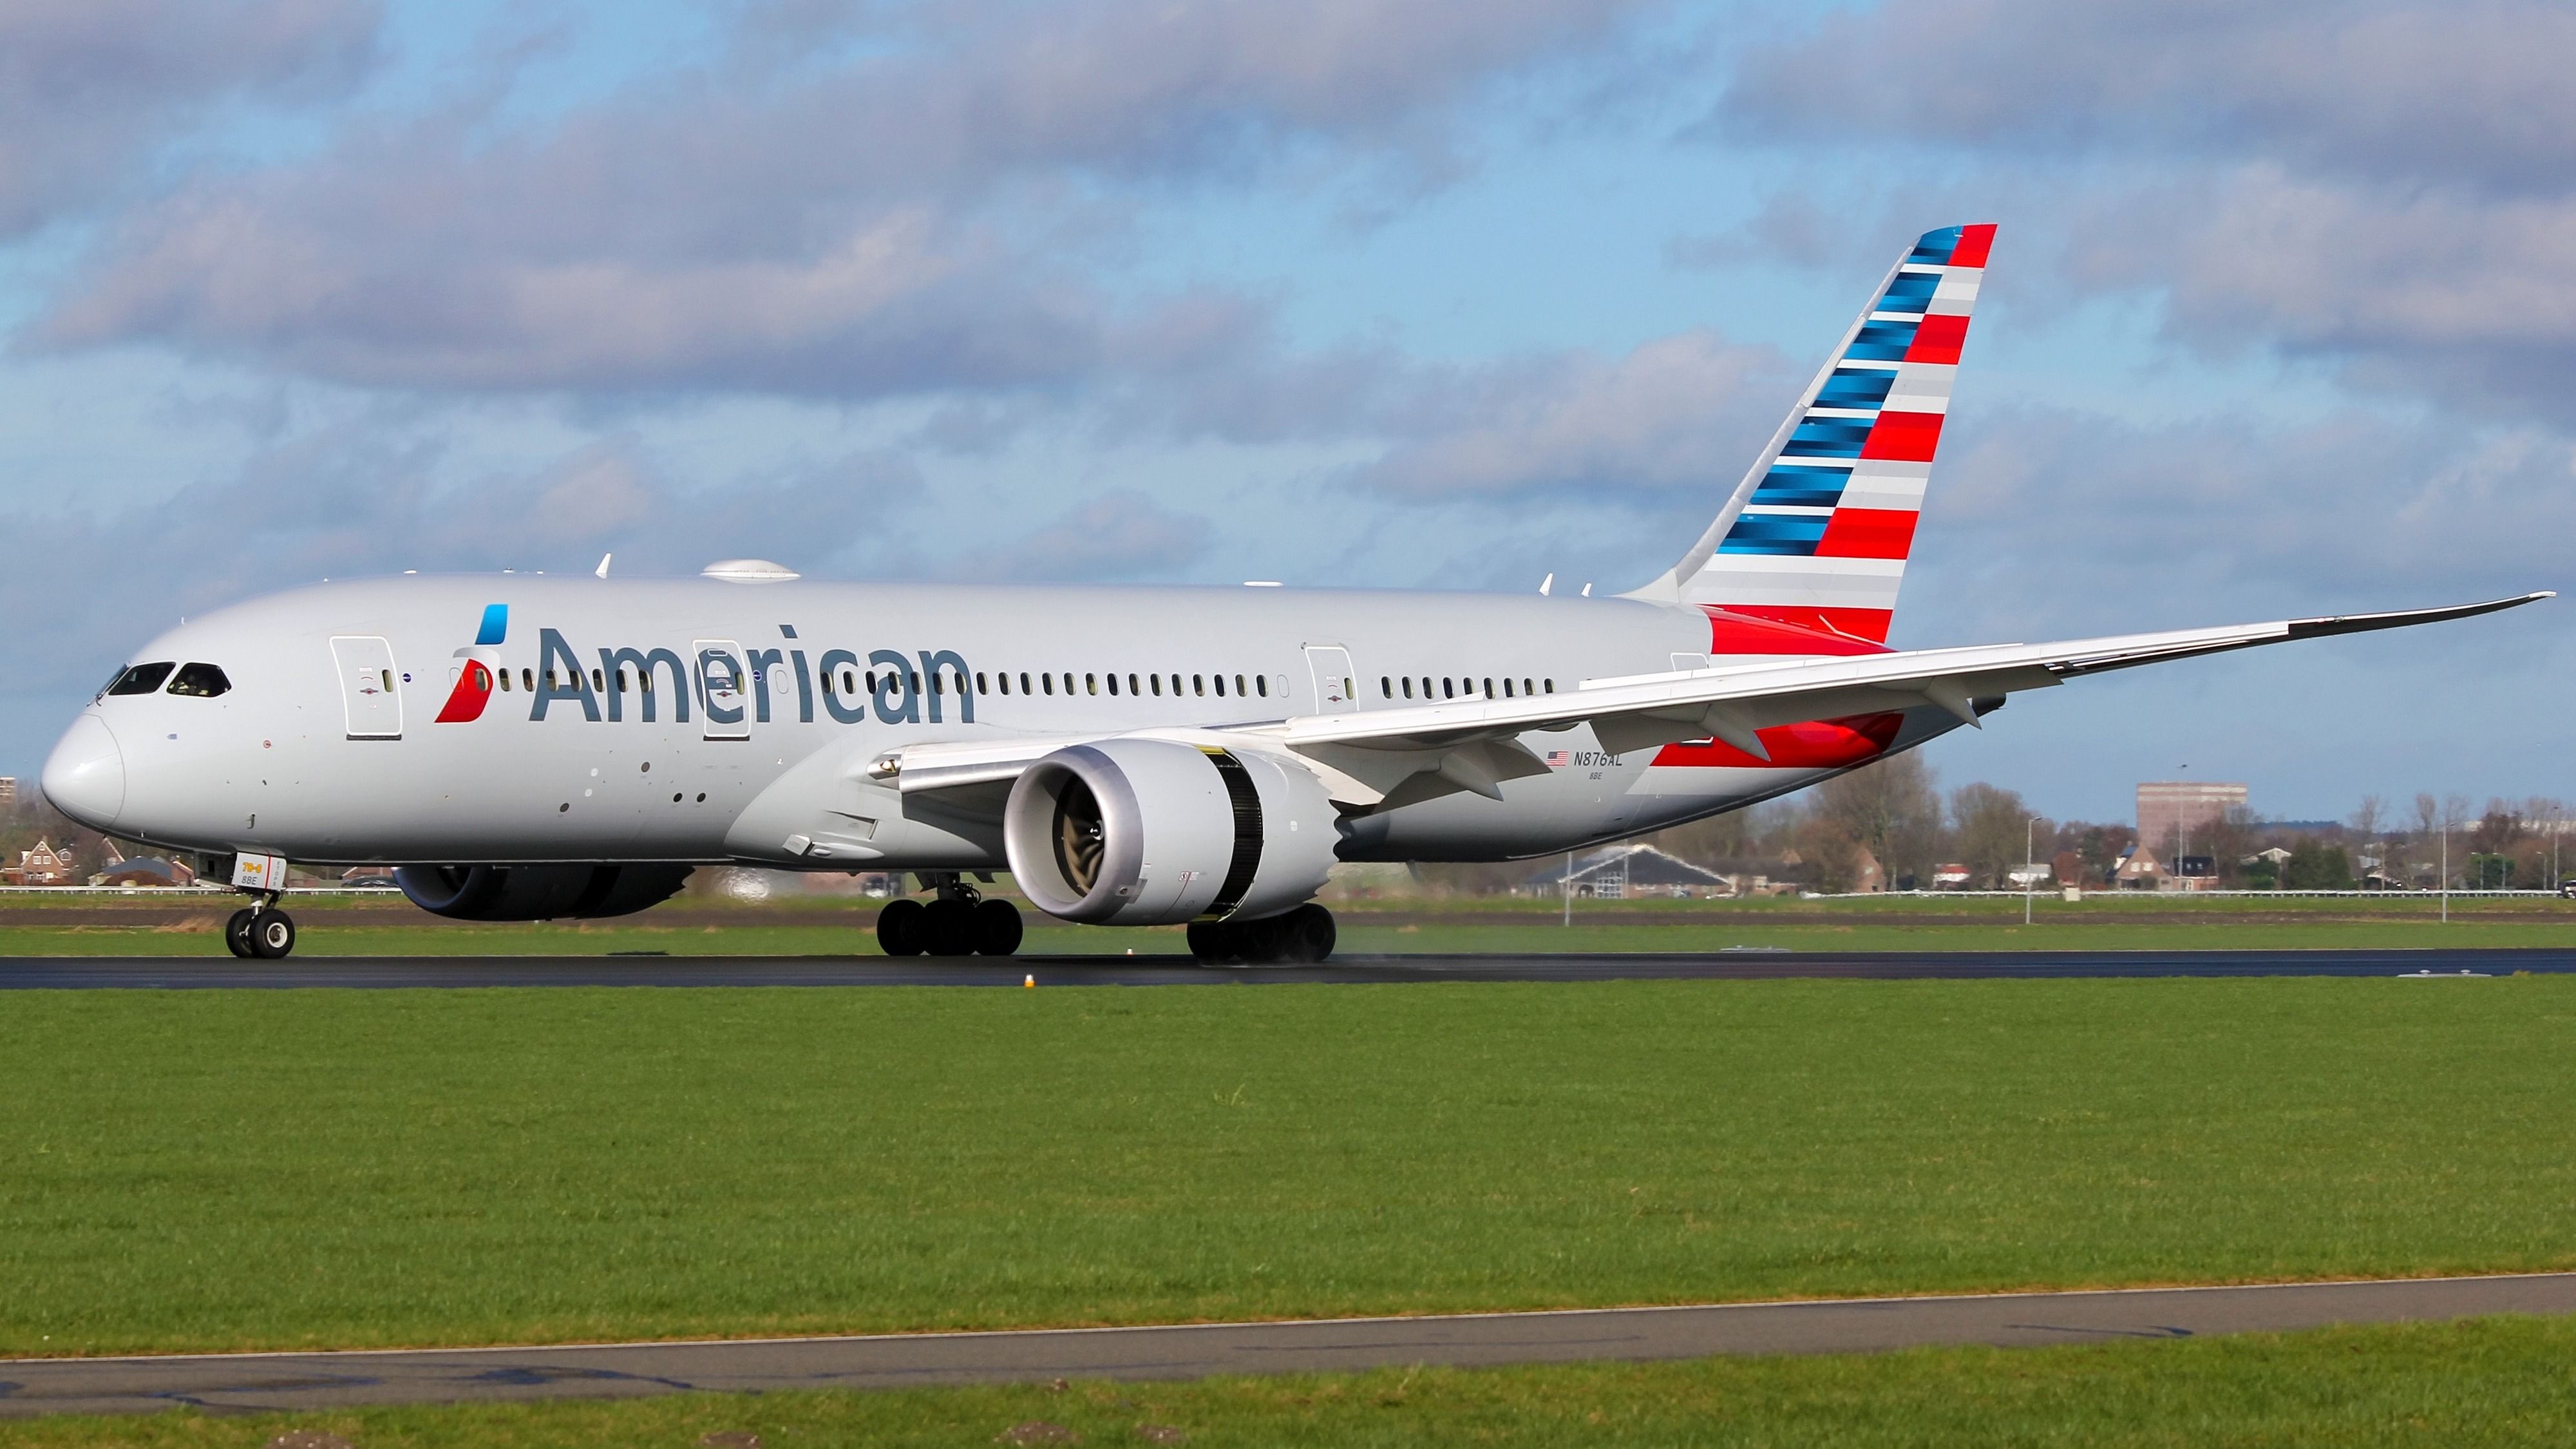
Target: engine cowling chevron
[[1138, 832]]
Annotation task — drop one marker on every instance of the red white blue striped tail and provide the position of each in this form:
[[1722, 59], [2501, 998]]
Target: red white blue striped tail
[[1818, 532]]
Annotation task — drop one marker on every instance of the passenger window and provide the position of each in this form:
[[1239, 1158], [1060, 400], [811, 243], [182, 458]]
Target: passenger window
[[142, 678], [980, 686], [1158, 686], [1261, 682], [1408, 686], [1386, 686], [1447, 690], [505, 680], [204, 681], [1239, 690], [1220, 686], [1489, 686], [1507, 687], [1551, 685], [599, 681], [1131, 685], [1091, 682], [1198, 684], [528, 680], [1024, 681], [1525, 687]]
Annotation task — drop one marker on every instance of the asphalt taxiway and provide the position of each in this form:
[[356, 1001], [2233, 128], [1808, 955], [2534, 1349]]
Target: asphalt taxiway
[[195, 972], [242, 1383]]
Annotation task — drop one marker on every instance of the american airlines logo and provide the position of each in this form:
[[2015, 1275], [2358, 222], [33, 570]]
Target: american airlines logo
[[725, 681]]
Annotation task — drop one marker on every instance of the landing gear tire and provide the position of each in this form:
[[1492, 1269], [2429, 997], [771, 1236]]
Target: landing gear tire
[[1299, 937], [948, 928], [237, 933], [901, 929], [272, 935], [997, 928]]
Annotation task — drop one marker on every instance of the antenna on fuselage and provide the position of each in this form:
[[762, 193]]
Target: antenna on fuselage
[[603, 564], [1546, 584], [1587, 591]]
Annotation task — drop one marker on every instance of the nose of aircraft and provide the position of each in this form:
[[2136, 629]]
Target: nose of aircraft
[[85, 775]]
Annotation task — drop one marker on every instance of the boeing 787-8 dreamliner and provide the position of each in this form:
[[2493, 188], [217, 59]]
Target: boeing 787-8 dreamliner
[[522, 747]]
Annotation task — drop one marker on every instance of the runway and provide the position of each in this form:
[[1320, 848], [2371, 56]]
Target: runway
[[214, 972], [241, 1383]]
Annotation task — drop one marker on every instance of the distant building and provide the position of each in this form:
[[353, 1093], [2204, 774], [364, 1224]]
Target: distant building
[[1951, 877], [2139, 870], [8, 791], [146, 870], [46, 864], [1867, 874], [1628, 871], [2171, 812]]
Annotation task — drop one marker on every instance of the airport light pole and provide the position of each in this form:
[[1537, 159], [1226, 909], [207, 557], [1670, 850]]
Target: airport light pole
[[2029, 865]]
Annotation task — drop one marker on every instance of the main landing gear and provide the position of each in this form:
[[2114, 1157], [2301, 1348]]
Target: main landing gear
[[261, 932], [960, 922], [1300, 937]]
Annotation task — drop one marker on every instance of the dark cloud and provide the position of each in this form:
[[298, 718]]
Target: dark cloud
[[348, 502], [2454, 94], [2046, 522], [87, 86], [2471, 299], [920, 217], [1119, 536], [1682, 412], [2388, 189]]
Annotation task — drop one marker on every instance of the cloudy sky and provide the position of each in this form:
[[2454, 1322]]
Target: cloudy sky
[[2281, 319]]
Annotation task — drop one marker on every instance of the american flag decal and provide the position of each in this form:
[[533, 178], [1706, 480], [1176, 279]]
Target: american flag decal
[[1558, 759]]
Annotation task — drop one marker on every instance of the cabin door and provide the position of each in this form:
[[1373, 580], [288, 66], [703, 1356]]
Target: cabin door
[[367, 693], [724, 689], [1336, 692]]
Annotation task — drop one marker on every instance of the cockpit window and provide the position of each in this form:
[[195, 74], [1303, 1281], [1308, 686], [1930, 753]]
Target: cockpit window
[[141, 679], [202, 680]]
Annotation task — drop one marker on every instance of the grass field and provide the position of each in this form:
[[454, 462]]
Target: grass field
[[700, 925], [238, 1169], [2498, 1381]]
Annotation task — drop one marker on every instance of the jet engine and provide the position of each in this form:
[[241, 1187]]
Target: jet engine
[[1136, 832], [537, 892]]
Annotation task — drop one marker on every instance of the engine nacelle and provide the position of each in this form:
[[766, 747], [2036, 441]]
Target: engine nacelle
[[1152, 832], [537, 892]]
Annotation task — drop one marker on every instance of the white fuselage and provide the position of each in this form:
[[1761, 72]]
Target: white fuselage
[[328, 745]]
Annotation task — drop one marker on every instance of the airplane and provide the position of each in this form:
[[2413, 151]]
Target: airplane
[[526, 747]]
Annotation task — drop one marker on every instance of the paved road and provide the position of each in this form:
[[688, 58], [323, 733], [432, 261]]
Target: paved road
[[157, 972], [246, 1382]]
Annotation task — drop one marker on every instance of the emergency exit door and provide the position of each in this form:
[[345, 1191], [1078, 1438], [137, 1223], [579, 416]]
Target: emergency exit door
[[368, 695], [724, 696], [1335, 690]]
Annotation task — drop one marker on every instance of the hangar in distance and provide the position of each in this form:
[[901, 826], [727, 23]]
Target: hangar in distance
[[525, 747]]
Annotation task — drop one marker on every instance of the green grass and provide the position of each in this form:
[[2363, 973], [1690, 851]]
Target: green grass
[[2494, 1381], [238, 1169]]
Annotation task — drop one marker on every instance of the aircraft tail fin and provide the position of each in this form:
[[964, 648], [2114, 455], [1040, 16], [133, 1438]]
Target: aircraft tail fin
[[1818, 531]]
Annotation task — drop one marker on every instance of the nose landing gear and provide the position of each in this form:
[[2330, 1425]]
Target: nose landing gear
[[260, 932], [960, 922]]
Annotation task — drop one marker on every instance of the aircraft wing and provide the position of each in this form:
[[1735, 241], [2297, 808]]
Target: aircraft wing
[[1368, 755]]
